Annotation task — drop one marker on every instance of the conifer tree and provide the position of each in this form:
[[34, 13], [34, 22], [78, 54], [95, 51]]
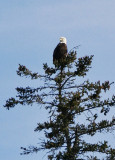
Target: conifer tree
[[67, 99]]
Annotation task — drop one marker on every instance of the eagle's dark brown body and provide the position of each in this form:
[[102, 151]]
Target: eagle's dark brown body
[[60, 52]]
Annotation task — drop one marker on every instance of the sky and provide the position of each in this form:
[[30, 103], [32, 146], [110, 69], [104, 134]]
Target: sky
[[29, 32]]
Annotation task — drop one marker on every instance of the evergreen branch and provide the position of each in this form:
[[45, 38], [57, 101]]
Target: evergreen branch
[[93, 127], [12, 102], [32, 91], [83, 65], [100, 147], [23, 71], [103, 104], [74, 48], [30, 149], [67, 80]]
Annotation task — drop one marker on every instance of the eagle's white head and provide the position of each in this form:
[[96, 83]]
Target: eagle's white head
[[63, 40]]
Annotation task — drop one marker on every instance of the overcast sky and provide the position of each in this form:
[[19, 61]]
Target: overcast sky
[[29, 32]]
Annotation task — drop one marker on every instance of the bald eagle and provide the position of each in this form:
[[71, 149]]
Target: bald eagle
[[60, 52]]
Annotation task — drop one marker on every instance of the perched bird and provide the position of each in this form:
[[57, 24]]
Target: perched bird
[[60, 52]]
